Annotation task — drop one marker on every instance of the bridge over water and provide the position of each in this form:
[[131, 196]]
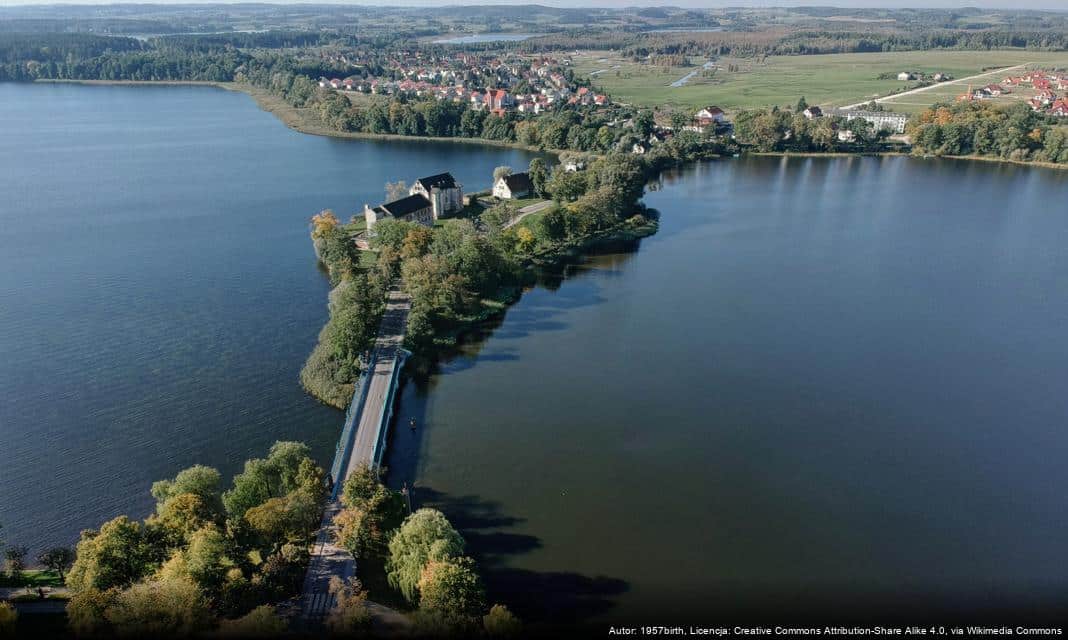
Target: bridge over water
[[362, 443]]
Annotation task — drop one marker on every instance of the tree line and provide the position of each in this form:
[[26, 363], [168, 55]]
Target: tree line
[[207, 557], [1012, 133]]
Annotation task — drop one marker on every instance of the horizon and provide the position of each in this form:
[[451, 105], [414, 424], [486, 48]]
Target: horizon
[[1028, 5]]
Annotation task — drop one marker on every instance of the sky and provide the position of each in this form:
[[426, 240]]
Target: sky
[[990, 4]]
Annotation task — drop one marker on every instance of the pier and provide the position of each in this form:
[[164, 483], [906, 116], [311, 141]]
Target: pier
[[362, 443]]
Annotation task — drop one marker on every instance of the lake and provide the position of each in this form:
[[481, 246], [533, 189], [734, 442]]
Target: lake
[[826, 385], [158, 289]]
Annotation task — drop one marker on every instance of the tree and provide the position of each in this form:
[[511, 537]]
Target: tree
[[261, 622], [679, 120], [351, 615], [396, 190], [116, 556], [160, 608], [15, 559], [426, 535], [203, 482], [501, 623], [180, 516], [538, 176], [268, 478], [501, 172], [8, 618], [57, 559], [524, 239], [363, 529], [643, 123], [452, 589], [802, 104]]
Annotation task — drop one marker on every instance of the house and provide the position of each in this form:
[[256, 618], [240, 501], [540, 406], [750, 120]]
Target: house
[[905, 76], [845, 135], [414, 208], [710, 116], [444, 193], [813, 112], [940, 77], [515, 185], [571, 166], [640, 148]]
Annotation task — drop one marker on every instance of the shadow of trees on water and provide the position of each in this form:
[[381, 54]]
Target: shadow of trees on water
[[536, 596]]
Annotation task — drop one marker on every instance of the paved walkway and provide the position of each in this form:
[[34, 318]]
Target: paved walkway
[[327, 558], [527, 210]]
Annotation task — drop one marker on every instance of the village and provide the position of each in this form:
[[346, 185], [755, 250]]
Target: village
[[498, 84], [1039, 87]]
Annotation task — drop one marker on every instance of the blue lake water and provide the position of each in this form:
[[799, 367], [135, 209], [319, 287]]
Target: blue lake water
[[158, 291], [825, 383]]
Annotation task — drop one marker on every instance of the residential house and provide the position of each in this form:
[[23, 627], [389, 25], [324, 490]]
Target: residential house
[[444, 193], [813, 112], [905, 76], [709, 116], [415, 208], [515, 185]]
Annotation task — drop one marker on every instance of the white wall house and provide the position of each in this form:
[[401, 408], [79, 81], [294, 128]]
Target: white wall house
[[516, 185]]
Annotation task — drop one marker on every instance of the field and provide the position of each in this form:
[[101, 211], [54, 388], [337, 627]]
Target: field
[[827, 80]]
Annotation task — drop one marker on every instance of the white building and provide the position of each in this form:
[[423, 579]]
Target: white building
[[515, 185], [444, 193], [881, 120], [416, 208]]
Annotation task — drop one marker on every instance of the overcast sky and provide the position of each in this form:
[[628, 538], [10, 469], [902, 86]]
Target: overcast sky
[[993, 4]]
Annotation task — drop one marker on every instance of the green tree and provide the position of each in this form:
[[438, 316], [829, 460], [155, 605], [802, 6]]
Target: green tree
[[363, 528], [181, 515], [452, 589], [802, 104], [160, 608], [120, 553], [57, 559], [203, 482], [263, 479], [15, 560], [538, 176], [425, 535]]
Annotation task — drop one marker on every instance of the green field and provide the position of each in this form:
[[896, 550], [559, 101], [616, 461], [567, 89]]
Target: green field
[[826, 80]]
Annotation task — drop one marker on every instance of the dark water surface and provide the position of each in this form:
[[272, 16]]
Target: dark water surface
[[158, 291], [823, 381]]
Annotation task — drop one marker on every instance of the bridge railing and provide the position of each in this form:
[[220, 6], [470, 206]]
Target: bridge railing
[[352, 420], [387, 406]]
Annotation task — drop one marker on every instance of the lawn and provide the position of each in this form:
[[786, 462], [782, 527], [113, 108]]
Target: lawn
[[826, 80], [32, 578]]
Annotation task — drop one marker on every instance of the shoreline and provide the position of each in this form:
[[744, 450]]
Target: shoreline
[[295, 119]]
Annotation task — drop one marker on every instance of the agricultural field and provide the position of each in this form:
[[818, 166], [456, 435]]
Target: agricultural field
[[827, 80]]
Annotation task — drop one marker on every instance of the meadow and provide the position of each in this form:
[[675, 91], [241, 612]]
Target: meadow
[[827, 80]]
